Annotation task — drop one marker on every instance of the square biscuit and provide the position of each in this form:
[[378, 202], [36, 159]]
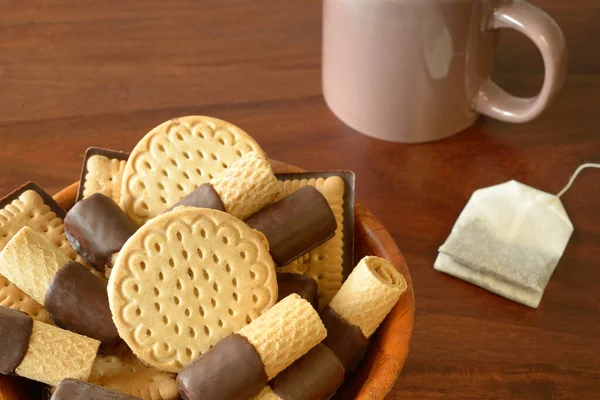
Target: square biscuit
[[102, 172], [30, 206], [330, 263]]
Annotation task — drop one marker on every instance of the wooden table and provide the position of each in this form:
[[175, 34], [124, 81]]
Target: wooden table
[[79, 73]]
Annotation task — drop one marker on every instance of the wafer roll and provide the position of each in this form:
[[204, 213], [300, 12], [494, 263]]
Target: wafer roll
[[73, 389], [240, 365], [75, 298], [43, 352], [30, 262], [284, 333], [247, 185], [369, 293]]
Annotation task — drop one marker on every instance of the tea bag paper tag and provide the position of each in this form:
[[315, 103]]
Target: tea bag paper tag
[[508, 240]]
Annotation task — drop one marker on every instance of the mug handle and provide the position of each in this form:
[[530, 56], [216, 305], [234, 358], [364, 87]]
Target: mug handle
[[548, 37]]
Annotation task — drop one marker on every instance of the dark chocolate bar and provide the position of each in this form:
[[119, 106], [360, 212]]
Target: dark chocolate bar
[[97, 228], [15, 330], [343, 338], [305, 286], [96, 151], [348, 213], [231, 370], [295, 224], [73, 389], [205, 196], [48, 200], [315, 376], [77, 300]]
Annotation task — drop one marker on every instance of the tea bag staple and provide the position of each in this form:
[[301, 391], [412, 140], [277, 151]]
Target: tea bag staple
[[508, 240]]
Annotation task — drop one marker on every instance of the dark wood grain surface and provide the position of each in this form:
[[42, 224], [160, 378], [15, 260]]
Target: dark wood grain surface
[[79, 73]]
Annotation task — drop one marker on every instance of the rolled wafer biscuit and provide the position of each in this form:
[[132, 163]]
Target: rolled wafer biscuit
[[247, 185], [284, 333], [102, 172], [240, 365], [242, 189], [44, 352], [175, 158], [76, 299], [369, 293]]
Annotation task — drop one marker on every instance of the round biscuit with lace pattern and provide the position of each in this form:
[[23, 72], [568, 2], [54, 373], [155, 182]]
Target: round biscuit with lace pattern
[[185, 280], [175, 158]]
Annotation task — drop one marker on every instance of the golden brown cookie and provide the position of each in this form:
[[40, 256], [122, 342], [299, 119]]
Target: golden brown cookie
[[185, 280], [328, 262], [175, 158], [121, 370]]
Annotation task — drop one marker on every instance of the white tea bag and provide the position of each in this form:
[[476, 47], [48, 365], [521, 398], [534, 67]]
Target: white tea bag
[[508, 240]]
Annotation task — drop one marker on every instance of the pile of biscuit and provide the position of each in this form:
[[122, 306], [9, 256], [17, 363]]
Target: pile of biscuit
[[188, 269]]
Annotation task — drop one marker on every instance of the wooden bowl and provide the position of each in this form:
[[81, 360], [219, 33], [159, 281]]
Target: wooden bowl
[[389, 347]]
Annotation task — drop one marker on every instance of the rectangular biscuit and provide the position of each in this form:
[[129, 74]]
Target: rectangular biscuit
[[121, 370], [330, 263], [30, 206], [102, 172]]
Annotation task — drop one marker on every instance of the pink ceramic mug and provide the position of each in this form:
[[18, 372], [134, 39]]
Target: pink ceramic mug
[[419, 70]]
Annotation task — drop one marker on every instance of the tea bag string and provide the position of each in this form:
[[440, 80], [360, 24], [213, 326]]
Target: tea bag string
[[574, 176]]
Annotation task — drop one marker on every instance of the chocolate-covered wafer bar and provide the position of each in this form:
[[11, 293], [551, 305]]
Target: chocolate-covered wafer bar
[[361, 305], [73, 389], [303, 286], [75, 298], [15, 330], [277, 338], [43, 352], [97, 228], [242, 189], [295, 224], [102, 172]]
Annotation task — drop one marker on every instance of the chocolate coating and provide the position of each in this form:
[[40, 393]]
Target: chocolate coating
[[204, 197], [73, 389], [15, 330], [231, 370], [305, 286], [77, 300], [97, 228], [315, 376], [295, 224], [346, 340]]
